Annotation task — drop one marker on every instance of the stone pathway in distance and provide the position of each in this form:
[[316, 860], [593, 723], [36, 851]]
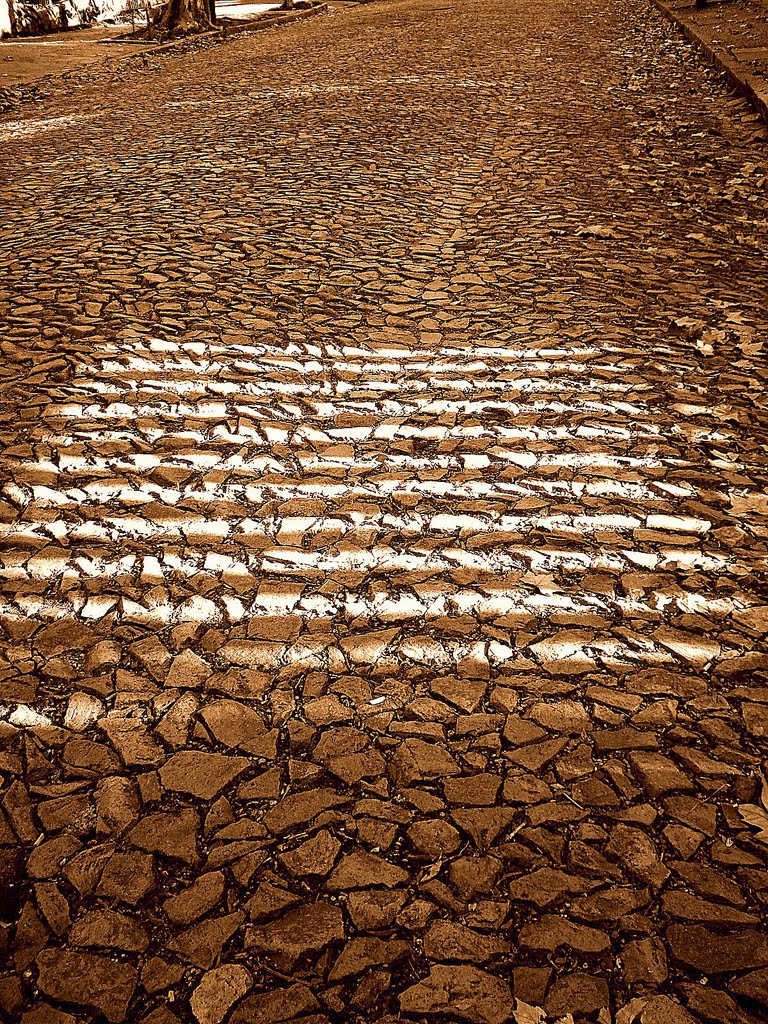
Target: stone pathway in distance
[[384, 530]]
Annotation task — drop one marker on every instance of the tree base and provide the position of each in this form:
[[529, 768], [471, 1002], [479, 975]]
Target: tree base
[[183, 18]]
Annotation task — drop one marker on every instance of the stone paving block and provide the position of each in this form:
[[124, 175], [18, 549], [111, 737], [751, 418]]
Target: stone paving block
[[383, 530]]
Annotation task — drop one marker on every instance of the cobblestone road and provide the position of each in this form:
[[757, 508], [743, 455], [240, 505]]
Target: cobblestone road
[[384, 529]]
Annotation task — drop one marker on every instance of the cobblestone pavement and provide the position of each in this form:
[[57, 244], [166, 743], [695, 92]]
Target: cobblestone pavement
[[384, 530]]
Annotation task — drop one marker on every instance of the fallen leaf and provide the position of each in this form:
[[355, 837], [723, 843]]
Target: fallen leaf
[[687, 323], [751, 348], [524, 1013], [628, 1014], [714, 337], [432, 872], [704, 347], [757, 818], [596, 231]]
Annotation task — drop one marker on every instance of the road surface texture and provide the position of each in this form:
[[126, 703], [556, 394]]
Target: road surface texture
[[384, 524]]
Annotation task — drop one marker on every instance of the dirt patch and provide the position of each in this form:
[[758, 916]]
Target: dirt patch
[[27, 60]]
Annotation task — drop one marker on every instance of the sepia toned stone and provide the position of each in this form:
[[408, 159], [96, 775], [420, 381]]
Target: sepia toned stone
[[383, 518]]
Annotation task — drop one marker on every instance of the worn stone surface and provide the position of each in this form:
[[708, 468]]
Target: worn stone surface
[[218, 991], [383, 530], [305, 930], [88, 980], [462, 992]]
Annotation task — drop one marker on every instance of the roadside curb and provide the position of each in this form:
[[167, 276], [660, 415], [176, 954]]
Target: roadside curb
[[736, 72], [226, 31], [14, 96]]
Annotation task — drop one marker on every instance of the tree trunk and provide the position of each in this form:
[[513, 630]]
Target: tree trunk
[[180, 17], [12, 18]]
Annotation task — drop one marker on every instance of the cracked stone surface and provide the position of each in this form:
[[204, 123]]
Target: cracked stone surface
[[383, 529]]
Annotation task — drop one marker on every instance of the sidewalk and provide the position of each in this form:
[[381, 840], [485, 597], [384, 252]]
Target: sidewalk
[[734, 35], [28, 63], [30, 58]]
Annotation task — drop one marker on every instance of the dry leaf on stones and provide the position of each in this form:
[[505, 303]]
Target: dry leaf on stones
[[757, 816], [524, 1013]]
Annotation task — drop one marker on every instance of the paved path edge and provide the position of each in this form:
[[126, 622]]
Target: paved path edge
[[735, 71], [225, 31]]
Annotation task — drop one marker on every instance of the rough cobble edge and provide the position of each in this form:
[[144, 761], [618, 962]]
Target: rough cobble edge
[[17, 95], [736, 73]]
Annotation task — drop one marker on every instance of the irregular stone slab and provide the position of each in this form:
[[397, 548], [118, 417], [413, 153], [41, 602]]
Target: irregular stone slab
[[644, 961], [127, 877], [269, 900], [434, 837], [519, 731], [525, 789], [699, 763], [566, 716], [90, 759], [363, 952], [44, 1013], [657, 774], [755, 719], [474, 791], [314, 857], [173, 834], [663, 1010], [374, 909], [698, 650], [87, 980], [153, 656], [367, 648], [361, 869], [187, 671], [218, 991], [638, 855], [660, 682], [83, 710], [202, 943], [697, 814], [65, 634], [117, 804], [484, 825], [577, 993], [417, 761], [753, 985], [534, 756], [610, 904], [680, 904], [232, 723], [46, 860], [199, 898], [447, 940], [714, 953], [755, 619], [109, 929], [466, 993], [551, 932], [708, 882], [627, 738], [200, 773], [275, 1007], [464, 693], [132, 741], [307, 929], [546, 886], [301, 809]]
